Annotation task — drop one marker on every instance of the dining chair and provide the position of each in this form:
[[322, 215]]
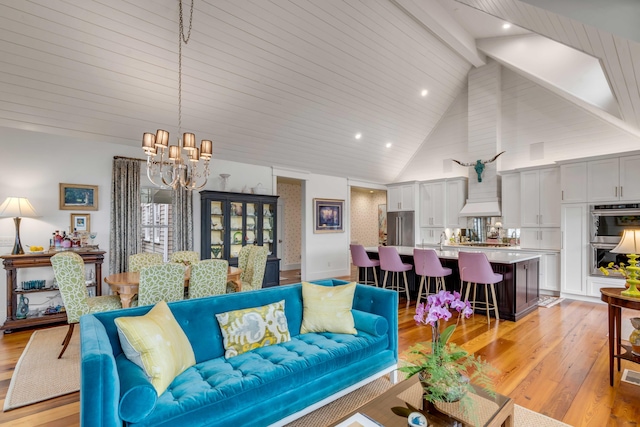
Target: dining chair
[[361, 260], [427, 264], [68, 269], [163, 282], [475, 269], [208, 277], [185, 257], [390, 261], [145, 259], [253, 267]]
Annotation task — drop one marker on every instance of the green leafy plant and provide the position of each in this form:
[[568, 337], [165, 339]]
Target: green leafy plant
[[446, 370]]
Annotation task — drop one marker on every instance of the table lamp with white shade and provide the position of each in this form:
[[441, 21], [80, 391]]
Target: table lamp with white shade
[[17, 208], [630, 245]]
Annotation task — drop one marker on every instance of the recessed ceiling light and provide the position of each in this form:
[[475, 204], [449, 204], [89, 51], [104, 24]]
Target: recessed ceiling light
[[388, 145], [506, 26], [371, 191], [358, 135], [424, 92]]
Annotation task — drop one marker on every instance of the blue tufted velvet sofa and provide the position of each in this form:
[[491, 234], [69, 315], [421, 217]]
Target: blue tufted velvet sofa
[[267, 386]]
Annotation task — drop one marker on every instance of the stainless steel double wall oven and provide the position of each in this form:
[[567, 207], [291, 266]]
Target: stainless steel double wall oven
[[608, 222]]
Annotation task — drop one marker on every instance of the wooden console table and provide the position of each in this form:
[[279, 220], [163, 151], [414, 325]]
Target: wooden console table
[[616, 302], [14, 262]]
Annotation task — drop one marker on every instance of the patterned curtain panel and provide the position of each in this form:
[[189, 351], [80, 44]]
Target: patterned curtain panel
[[182, 210], [126, 215]]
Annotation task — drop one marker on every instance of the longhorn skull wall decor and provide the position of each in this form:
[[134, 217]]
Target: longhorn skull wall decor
[[479, 165]]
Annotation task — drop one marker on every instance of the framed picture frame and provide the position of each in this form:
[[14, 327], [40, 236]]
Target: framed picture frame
[[328, 215], [78, 197], [80, 222]]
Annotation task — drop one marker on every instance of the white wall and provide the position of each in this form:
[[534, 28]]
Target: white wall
[[325, 254]]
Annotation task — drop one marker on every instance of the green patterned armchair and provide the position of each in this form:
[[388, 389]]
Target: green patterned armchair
[[68, 268], [253, 267], [185, 257], [163, 282], [208, 277], [146, 259]]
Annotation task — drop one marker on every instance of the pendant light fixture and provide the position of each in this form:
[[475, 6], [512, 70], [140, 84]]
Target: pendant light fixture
[[184, 164]]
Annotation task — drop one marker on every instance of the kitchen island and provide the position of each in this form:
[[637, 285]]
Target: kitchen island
[[517, 294]]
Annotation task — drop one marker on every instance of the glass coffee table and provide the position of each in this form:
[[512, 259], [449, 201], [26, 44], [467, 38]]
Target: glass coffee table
[[487, 410]]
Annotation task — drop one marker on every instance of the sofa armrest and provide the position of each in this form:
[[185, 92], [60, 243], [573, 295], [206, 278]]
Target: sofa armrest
[[99, 384], [382, 302], [138, 397], [370, 323]]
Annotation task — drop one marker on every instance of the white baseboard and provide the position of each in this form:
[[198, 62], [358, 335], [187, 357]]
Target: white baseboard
[[288, 267], [333, 397]]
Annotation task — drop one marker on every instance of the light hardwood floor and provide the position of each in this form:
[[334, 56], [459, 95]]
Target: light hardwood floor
[[554, 361]]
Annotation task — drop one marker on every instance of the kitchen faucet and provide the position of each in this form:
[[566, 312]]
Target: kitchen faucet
[[443, 238]]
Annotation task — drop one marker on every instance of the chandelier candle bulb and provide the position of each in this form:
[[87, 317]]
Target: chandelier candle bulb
[[189, 141], [149, 144], [162, 138], [206, 149]]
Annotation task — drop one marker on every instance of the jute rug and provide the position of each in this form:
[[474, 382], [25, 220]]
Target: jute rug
[[39, 374], [332, 412]]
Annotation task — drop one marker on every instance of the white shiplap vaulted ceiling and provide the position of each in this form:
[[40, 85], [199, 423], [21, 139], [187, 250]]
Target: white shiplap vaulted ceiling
[[284, 83]]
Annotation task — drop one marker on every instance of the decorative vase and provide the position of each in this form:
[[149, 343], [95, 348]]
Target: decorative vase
[[23, 307], [634, 338]]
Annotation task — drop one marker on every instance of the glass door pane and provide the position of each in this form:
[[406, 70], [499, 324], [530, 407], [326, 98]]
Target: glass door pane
[[252, 223], [237, 227], [217, 229], [268, 232]]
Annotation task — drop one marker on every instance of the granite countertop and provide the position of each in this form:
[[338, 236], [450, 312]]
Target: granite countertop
[[499, 256]]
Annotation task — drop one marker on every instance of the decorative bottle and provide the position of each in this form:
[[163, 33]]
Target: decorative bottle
[[23, 307]]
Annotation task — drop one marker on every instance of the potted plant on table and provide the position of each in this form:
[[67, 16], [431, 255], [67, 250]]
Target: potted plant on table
[[446, 370]]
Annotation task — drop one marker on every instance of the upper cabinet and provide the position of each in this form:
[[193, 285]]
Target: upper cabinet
[[456, 198], [401, 197], [573, 177], [614, 179], [432, 204], [511, 200], [540, 198]]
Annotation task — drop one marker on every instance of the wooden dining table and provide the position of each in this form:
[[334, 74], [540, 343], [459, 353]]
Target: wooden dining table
[[126, 284]]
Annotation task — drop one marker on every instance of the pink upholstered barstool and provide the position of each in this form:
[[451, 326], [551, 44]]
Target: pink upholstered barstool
[[428, 264], [390, 262], [475, 269], [360, 259]]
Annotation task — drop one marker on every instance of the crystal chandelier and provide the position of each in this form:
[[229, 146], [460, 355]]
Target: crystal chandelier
[[166, 162]]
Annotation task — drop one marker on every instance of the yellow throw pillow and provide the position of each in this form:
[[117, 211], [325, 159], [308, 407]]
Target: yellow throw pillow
[[328, 308], [251, 328], [157, 344]]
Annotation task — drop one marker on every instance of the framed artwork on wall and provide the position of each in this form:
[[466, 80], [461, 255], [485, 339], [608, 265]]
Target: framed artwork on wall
[[80, 222], [328, 216], [78, 197]]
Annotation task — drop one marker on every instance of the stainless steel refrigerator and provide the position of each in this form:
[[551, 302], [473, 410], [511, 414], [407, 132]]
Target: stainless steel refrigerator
[[400, 228]]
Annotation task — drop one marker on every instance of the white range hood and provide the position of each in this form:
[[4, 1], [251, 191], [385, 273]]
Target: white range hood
[[479, 208], [483, 129]]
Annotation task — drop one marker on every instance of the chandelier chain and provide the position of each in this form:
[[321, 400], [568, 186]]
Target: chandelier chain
[[185, 39]]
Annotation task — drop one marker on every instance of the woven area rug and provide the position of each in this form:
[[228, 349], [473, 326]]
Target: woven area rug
[[337, 409], [549, 301], [39, 374]]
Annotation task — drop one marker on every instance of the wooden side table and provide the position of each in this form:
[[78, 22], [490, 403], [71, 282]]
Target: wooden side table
[[616, 302]]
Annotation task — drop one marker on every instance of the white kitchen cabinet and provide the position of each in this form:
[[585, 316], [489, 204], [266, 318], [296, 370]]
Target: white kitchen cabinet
[[431, 235], [573, 182], [511, 200], [540, 238], [614, 179], [456, 198], [574, 251], [432, 204], [550, 272], [595, 283], [401, 197], [540, 198]]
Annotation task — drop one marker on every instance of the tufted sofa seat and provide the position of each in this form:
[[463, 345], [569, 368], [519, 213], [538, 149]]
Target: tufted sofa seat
[[269, 385]]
